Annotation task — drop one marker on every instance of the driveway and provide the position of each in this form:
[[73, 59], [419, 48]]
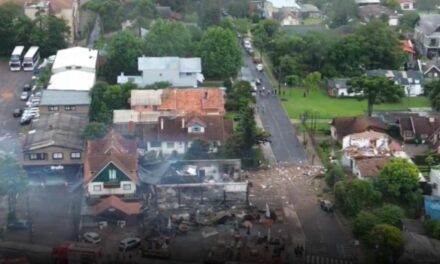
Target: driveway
[[285, 145], [11, 84]]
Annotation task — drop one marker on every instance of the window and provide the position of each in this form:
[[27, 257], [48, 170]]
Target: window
[[37, 156], [57, 155], [78, 67], [433, 42], [408, 134], [97, 188], [70, 107], [126, 187], [53, 108], [405, 6], [170, 144], [155, 144], [112, 175], [195, 129], [69, 67], [75, 155]]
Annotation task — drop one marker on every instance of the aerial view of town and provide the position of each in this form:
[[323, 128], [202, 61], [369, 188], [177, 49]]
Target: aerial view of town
[[220, 131]]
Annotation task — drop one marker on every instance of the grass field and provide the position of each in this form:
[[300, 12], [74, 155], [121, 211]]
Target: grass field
[[325, 107]]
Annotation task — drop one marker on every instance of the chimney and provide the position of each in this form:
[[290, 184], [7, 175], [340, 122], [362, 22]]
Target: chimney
[[183, 122], [161, 124]]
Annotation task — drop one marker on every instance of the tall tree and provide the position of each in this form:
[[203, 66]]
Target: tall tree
[[199, 149], [399, 180], [144, 11], [109, 11], [51, 36], [408, 20], [427, 5], [341, 12], [355, 195], [169, 39], [388, 242], [220, 53], [312, 81], [13, 181], [389, 214], [15, 28], [376, 90], [363, 223], [122, 52], [238, 8], [95, 130], [209, 13], [263, 33], [432, 89]]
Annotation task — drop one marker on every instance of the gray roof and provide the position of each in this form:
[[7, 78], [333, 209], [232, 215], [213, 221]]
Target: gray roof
[[399, 77], [306, 8], [170, 63], [373, 11], [59, 129], [340, 83], [60, 97], [429, 23], [430, 64]]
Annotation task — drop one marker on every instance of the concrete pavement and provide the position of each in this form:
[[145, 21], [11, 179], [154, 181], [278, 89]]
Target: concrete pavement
[[285, 145]]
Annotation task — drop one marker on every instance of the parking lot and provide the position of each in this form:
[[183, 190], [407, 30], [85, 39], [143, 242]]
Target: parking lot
[[11, 84]]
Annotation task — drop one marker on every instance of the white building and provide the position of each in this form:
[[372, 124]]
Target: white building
[[367, 139], [180, 72], [407, 5], [274, 6], [74, 69]]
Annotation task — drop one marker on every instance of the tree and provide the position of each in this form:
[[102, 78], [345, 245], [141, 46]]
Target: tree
[[15, 28], [399, 180], [312, 81], [392, 4], [373, 46], [388, 242], [157, 86], [432, 89], [408, 20], [122, 53], [220, 53], [245, 137], [238, 8], [209, 13], [389, 214], [263, 33], [242, 25], [427, 5], [109, 11], [167, 38], [95, 130], [363, 223], [143, 11], [199, 149], [334, 174], [240, 96], [13, 181], [355, 195], [376, 90], [341, 12]]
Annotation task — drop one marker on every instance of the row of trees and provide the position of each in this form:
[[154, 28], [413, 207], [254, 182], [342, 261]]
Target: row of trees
[[217, 47], [374, 204], [372, 46], [48, 32]]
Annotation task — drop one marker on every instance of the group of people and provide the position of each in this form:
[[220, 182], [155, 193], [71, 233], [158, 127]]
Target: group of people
[[299, 250]]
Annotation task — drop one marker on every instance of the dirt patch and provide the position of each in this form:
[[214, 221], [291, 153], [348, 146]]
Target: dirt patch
[[7, 94]]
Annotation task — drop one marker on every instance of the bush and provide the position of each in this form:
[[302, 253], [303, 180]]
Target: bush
[[389, 214], [432, 227], [363, 223], [334, 174]]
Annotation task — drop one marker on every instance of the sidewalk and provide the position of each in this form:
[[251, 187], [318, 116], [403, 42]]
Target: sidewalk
[[266, 148]]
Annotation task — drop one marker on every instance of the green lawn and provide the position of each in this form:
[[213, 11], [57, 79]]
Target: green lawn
[[319, 102]]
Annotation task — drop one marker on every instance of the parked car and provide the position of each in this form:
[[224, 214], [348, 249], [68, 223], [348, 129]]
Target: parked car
[[27, 88], [25, 120], [259, 67], [256, 60], [129, 243], [24, 96], [250, 51], [327, 206], [17, 112], [92, 237], [18, 225]]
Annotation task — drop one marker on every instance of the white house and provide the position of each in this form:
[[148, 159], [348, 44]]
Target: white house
[[407, 5], [74, 69], [411, 81], [434, 176], [367, 139], [180, 72], [110, 167], [274, 6], [176, 134]]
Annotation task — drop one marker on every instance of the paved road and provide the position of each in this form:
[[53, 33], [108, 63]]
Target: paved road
[[285, 145]]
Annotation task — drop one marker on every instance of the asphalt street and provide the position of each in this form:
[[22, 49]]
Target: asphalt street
[[284, 142]]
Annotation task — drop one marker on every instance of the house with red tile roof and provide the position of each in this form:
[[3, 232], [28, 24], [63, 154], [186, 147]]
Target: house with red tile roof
[[111, 181]]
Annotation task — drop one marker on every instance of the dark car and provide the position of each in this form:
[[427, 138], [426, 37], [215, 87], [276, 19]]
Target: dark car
[[17, 112], [25, 121], [327, 206], [18, 225], [27, 88]]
